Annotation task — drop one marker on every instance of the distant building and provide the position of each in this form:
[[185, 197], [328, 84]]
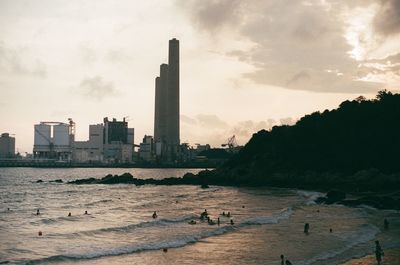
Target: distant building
[[92, 150], [111, 142], [7, 146], [54, 140], [202, 147], [146, 150], [118, 141]]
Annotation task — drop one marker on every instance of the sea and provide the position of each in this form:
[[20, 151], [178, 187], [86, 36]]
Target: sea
[[119, 228]]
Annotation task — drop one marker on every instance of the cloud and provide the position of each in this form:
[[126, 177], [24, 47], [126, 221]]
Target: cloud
[[387, 19], [97, 88], [214, 14], [210, 129], [210, 121], [19, 61], [294, 43], [383, 70], [187, 120]]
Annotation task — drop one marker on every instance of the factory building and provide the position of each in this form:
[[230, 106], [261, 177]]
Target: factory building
[[166, 114], [146, 150], [54, 140], [7, 146], [91, 150], [111, 142]]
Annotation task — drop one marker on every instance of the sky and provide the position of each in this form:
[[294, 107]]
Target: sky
[[245, 65]]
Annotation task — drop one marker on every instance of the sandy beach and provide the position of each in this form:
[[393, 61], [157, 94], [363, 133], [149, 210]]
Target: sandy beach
[[391, 257]]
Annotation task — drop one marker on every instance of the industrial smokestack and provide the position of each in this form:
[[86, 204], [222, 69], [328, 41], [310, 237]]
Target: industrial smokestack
[[173, 137]]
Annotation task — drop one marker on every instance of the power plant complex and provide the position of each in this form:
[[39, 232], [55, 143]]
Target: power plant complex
[[112, 142]]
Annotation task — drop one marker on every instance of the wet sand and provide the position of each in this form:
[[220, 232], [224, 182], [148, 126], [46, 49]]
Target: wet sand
[[391, 257]]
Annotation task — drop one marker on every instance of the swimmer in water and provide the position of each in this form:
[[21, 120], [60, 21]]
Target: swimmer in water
[[306, 228], [232, 223], [282, 260]]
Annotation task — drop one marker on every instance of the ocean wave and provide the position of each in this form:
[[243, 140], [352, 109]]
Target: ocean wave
[[97, 202], [363, 235], [283, 215], [61, 218], [311, 196], [171, 243], [179, 241], [127, 228]]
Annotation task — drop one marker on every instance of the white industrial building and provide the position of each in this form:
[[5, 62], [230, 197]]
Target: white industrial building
[[54, 140]]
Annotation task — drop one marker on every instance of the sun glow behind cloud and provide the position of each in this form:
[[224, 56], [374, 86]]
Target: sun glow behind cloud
[[359, 33]]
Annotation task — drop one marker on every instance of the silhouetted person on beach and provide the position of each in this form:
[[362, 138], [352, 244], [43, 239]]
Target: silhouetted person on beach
[[86, 212], [386, 224], [378, 252], [330, 230], [282, 260], [306, 228], [218, 221], [69, 214], [37, 212], [204, 215], [232, 223], [229, 214], [154, 215]]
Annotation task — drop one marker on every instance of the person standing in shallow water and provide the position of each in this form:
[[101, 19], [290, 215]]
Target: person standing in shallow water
[[378, 252], [282, 260], [386, 224]]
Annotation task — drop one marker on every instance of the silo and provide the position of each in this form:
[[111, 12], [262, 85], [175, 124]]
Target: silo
[[42, 138], [61, 135]]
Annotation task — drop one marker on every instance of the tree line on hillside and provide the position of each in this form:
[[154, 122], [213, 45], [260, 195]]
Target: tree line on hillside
[[359, 135]]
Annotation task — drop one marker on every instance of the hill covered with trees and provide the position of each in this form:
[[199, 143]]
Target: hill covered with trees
[[357, 144]]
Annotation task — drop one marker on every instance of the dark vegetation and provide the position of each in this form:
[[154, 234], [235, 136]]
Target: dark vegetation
[[354, 147]]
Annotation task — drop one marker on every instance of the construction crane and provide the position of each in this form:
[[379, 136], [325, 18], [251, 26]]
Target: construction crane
[[231, 143]]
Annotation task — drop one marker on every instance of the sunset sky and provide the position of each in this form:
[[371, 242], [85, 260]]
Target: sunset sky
[[245, 65]]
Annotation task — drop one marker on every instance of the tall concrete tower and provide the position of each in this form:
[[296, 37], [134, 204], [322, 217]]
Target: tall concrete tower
[[157, 110], [163, 104], [173, 137]]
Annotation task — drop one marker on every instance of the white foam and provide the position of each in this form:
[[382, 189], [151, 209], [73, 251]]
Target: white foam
[[311, 196], [283, 215]]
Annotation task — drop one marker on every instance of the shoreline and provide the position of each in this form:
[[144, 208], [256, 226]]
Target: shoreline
[[391, 257], [378, 199]]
